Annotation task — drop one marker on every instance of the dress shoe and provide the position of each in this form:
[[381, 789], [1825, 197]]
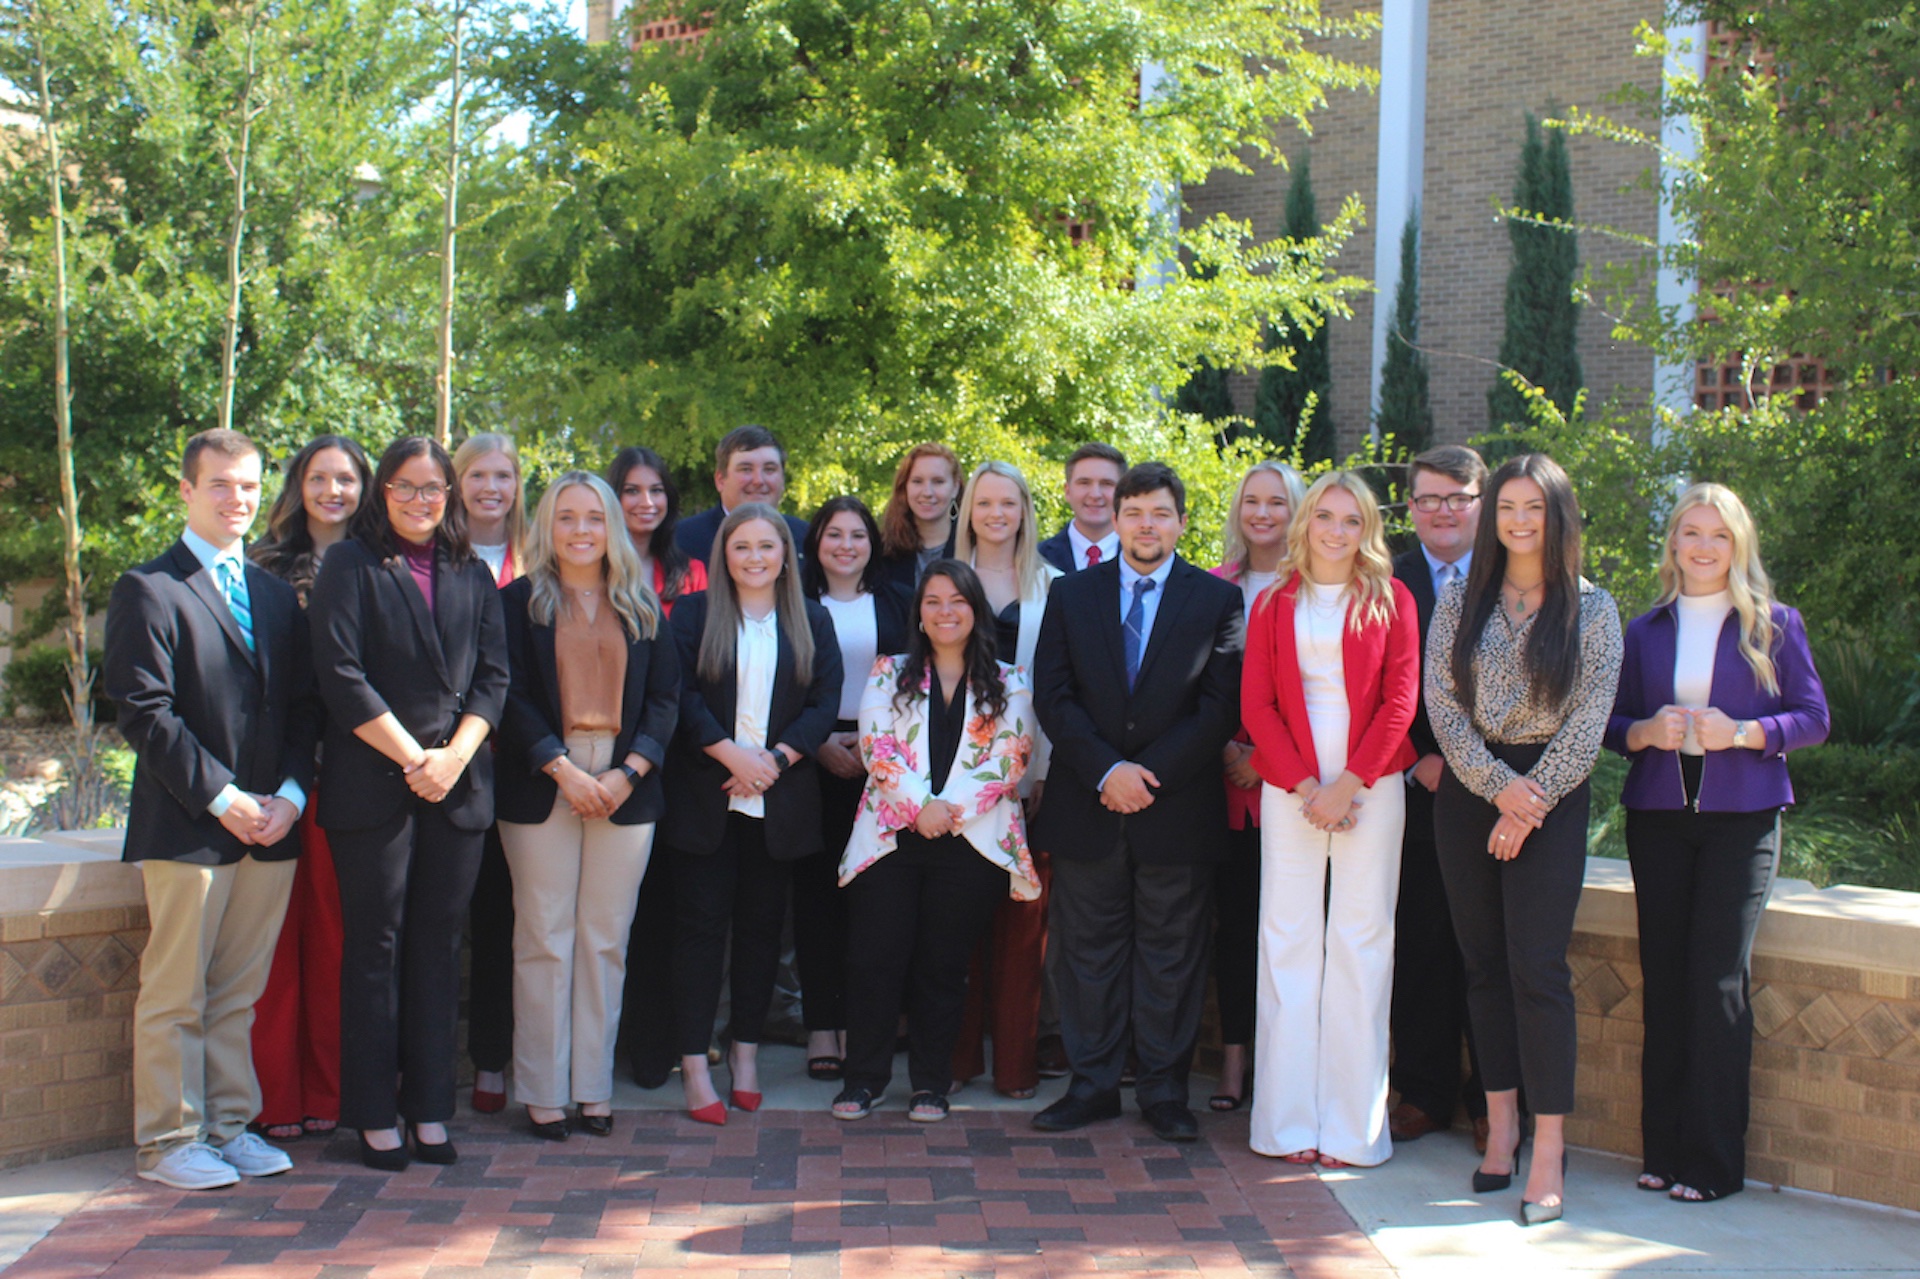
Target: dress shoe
[[394, 1160], [1171, 1121], [1050, 1055], [438, 1152], [1482, 1129], [1072, 1112], [548, 1129], [1407, 1122], [487, 1103], [747, 1101], [596, 1125], [714, 1112]]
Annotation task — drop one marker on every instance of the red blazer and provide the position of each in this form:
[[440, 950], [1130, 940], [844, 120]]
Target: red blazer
[[1382, 665]]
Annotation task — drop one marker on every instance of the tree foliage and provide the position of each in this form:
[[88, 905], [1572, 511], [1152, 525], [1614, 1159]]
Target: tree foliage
[[1406, 407], [868, 222], [1541, 339], [1296, 389]]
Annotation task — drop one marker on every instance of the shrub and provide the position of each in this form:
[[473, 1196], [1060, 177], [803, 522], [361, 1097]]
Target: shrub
[[35, 684]]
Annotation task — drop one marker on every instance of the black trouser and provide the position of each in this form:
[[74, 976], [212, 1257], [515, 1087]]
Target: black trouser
[[1701, 882], [1128, 947], [913, 919], [820, 907], [1236, 938], [404, 890], [490, 972], [1429, 980], [1514, 920], [739, 885], [647, 1029]]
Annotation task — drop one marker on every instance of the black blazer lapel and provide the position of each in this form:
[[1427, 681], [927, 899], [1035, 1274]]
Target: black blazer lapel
[[1107, 619], [199, 580], [779, 713], [546, 660], [265, 627], [456, 620], [1167, 617], [423, 623]]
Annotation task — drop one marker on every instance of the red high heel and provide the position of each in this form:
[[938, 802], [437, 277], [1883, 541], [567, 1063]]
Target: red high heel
[[713, 1112], [747, 1101]]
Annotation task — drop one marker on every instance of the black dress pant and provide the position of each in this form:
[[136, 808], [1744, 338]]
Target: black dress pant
[[490, 970], [820, 907], [914, 918], [1514, 920], [648, 1033], [1429, 1013], [1128, 947], [404, 890], [1701, 882], [739, 885], [1236, 937]]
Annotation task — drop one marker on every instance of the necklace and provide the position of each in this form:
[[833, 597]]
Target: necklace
[[1521, 593]]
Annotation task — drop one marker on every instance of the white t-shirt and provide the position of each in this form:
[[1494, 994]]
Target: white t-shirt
[[756, 650], [857, 624], [494, 557], [1701, 619]]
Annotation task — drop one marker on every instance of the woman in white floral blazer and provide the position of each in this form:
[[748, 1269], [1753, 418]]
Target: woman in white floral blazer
[[947, 733]]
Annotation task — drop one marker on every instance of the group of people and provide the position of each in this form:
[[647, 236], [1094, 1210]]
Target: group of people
[[1009, 787]]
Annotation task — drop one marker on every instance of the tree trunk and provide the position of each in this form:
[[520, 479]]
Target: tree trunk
[[443, 378], [236, 232], [79, 677]]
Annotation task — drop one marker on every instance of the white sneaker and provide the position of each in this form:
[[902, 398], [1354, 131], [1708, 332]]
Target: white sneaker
[[254, 1157], [194, 1166]]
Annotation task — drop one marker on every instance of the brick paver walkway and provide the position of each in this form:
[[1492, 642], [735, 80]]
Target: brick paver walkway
[[778, 1195]]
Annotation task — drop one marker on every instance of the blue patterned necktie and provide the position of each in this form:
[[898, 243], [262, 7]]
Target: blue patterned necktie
[[1136, 620], [233, 585]]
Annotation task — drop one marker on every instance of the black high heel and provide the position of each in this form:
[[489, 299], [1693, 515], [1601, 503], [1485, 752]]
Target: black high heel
[[441, 1152], [1487, 1183], [394, 1160]]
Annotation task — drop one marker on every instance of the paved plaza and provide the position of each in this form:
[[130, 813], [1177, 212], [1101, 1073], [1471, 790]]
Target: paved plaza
[[789, 1193]]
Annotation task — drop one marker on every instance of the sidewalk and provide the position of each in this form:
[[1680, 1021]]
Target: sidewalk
[[788, 1193]]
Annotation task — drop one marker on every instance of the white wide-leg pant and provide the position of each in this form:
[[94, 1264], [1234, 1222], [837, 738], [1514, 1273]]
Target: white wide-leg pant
[[1326, 977]]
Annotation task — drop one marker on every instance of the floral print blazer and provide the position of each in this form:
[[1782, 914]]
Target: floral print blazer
[[984, 781]]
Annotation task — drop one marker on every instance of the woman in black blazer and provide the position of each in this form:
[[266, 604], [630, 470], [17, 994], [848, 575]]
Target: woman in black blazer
[[593, 701], [760, 685], [844, 573], [411, 658]]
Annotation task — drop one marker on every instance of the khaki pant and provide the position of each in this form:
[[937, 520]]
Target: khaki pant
[[575, 884], [206, 962]]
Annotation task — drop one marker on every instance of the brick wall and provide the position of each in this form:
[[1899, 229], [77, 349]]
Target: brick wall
[[1488, 65]]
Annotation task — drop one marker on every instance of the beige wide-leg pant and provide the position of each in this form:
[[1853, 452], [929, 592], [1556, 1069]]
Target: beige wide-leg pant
[[575, 884], [206, 962]]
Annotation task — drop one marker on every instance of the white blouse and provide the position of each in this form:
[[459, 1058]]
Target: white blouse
[[857, 624], [1701, 619], [756, 650], [1319, 625]]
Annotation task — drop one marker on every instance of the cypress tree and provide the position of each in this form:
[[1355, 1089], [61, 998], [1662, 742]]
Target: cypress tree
[[1282, 398], [1542, 317], [1406, 412], [1205, 393]]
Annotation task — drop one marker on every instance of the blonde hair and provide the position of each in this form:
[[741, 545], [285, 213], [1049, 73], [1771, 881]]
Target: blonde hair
[[471, 450], [716, 662], [1372, 584], [628, 590], [1235, 551], [1747, 580], [1029, 570]]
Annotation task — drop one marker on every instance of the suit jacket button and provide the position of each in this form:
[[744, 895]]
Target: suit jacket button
[[1129, 726]]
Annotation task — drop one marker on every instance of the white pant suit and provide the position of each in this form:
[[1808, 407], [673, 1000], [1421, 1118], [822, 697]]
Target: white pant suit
[[1325, 977]]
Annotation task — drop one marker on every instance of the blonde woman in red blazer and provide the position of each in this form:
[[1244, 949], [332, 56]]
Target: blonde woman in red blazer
[[1331, 679]]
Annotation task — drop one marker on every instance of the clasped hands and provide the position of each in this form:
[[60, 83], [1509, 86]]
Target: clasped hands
[[1523, 809], [751, 770], [1666, 729], [595, 796], [259, 820], [1331, 807], [434, 773], [1128, 788]]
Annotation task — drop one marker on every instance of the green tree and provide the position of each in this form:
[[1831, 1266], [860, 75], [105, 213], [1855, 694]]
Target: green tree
[[1541, 341], [875, 222], [1406, 411], [1297, 388], [1206, 394]]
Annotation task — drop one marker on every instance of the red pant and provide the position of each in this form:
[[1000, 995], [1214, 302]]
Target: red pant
[[296, 1023], [1003, 993]]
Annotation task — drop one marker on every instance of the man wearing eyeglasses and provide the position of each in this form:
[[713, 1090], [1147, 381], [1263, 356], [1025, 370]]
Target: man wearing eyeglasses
[[1429, 981]]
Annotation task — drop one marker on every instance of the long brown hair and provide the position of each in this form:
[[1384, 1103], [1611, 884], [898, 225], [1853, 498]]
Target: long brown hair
[[721, 632], [370, 523], [1553, 645], [287, 549], [899, 531], [983, 667]]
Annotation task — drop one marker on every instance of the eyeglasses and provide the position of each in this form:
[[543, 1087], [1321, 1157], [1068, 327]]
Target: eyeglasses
[[434, 494], [1455, 502]]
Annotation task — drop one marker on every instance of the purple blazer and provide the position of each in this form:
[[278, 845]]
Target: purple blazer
[[1731, 781]]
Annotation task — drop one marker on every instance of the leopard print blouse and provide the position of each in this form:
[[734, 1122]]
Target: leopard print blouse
[[1504, 709]]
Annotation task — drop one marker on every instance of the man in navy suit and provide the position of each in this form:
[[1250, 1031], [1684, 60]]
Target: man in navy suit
[[1093, 470], [1137, 683], [749, 465], [1429, 1013], [209, 660]]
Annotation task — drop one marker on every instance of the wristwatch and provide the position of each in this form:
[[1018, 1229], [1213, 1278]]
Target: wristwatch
[[1740, 735], [780, 763], [633, 774]]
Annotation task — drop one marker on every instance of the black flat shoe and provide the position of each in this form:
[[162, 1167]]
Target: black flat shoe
[[596, 1125], [825, 1070], [394, 1160], [441, 1153], [548, 1129]]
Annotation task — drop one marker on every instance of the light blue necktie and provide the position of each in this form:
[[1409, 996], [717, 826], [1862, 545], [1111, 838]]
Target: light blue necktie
[[1136, 620], [1447, 573], [233, 585]]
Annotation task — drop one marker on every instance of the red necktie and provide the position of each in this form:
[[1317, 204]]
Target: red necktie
[[1093, 555]]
